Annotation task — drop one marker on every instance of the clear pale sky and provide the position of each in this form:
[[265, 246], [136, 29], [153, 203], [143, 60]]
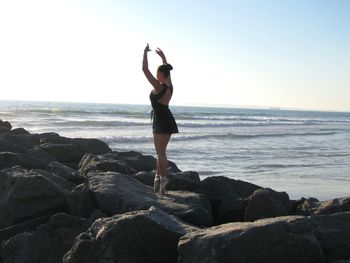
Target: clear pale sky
[[293, 54]]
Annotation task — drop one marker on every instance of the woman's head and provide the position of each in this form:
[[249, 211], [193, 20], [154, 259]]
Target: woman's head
[[163, 72]]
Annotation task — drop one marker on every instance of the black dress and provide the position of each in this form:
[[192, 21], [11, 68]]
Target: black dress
[[163, 119]]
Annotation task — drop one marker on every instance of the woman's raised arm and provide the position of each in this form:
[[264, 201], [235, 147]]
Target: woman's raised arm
[[148, 74]]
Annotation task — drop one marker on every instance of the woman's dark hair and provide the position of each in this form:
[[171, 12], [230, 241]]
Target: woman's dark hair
[[165, 69]]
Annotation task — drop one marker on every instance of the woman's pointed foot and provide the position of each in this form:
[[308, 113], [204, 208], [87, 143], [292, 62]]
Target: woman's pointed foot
[[164, 180], [156, 184]]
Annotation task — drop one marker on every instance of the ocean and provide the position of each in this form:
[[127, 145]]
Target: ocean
[[305, 153]]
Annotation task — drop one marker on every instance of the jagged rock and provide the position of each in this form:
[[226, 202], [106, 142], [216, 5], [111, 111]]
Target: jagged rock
[[6, 146], [333, 232], [26, 194], [38, 153], [80, 201], [124, 162], [119, 193], [139, 236], [183, 181], [65, 172], [48, 242], [19, 131], [10, 231], [284, 239], [5, 124], [227, 197], [313, 206], [265, 203], [64, 153], [8, 159]]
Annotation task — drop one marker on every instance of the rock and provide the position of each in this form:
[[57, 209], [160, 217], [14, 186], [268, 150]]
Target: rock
[[105, 163], [119, 193], [5, 124], [123, 162], [38, 153], [312, 206], [80, 201], [19, 131], [8, 232], [287, 239], [227, 197], [333, 232], [6, 146], [180, 181], [23, 141], [265, 203], [28, 194], [8, 159], [86, 145], [139, 236], [48, 242], [65, 172], [64, 153]]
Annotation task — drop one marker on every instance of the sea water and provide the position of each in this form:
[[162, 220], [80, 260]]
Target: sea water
[[305, 153]]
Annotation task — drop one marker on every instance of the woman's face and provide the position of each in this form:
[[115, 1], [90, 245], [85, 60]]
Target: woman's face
[[160, 77]]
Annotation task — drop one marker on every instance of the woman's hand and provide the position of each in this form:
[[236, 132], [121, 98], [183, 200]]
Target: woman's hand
[[147, 48], [160, 52]]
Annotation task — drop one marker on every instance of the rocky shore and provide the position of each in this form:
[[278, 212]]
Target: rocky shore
[[75, 200]]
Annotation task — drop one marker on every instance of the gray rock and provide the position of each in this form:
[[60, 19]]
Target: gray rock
[[180, 181], [64, 153], [285, 239], [8, 159], [119, 193], [5, 124], [264, 203], [139, 236], [38, 153], [333, 232], [6, 146], [65, 172], [80, 201], [123, 162], [227, 197], [312, 206], [19, 131], [28, 194], [48, 242]]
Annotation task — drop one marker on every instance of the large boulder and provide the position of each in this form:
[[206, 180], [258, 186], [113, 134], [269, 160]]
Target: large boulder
[[6, 146], [227, 197], [265, 202], [9, 159], [5, 124], [333, 232], [128, 162], [179, 181], [48, 242], [80, 201], [65, 172], [139, 236], [119, 193], [312, 206], [288, 239], [276, 240], [64, 153], [26, 194]]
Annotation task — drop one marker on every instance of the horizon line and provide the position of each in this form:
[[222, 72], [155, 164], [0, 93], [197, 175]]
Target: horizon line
[[208, 105]]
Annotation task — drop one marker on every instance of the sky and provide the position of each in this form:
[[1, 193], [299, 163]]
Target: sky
[[288, 54]]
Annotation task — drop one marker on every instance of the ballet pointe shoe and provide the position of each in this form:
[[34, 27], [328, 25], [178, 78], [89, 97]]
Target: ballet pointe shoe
[[156, 183], [164, 180]]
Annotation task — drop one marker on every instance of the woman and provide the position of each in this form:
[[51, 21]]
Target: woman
[[164, 123]]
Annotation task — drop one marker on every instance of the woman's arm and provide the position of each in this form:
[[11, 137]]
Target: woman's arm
[[161, 54], [148, 74]]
